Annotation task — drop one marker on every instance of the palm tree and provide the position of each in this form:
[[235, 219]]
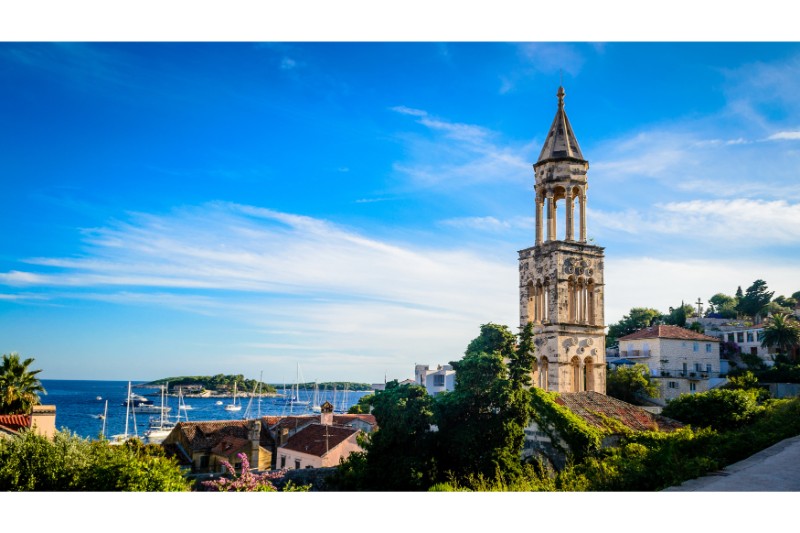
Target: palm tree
[[782, 333], [19, 386]]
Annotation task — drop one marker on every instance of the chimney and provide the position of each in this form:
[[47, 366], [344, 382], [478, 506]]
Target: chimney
[[43, 420], [283, 436], [326, 418], [254, 434]]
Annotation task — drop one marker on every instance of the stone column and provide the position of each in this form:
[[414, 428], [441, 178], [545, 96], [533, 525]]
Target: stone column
[[551, 218], [570, 234], [583, 216], [539, 206]]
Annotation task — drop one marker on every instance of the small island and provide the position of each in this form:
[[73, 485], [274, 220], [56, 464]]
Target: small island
[[221, 385]]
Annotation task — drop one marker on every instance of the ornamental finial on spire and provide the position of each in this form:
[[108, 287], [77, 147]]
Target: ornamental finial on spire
[[560, 95]]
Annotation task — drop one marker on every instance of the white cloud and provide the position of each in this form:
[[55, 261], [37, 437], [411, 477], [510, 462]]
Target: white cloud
[[785, 136], [740, 223], [490, 223], [662, 283], [458, 155], [328, 293]]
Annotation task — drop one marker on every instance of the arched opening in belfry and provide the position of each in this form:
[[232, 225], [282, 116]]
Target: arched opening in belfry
[[577, 375], [535, 373], [545, 300], [571, 313], [531, 304], [544, 369], [590, 303], [588, 374]]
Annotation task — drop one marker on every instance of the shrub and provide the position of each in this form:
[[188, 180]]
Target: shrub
[[718, 408]]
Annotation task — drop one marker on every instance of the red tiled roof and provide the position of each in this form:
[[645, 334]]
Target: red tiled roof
[[15, 422], [207, 435], [317, 439], [593, 406], [230, 445], [668, 332], [344, 420], [298, 422]]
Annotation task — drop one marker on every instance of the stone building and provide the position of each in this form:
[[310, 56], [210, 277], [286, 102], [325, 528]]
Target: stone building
[[561, 276], [680, 361]]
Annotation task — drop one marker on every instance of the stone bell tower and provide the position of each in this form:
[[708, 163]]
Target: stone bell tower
[[561, 276]]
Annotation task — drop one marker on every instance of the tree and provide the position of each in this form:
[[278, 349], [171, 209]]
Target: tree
[[782, 333], [677, 316], [32, 462], [755, 298], [399, 455], [481, 423], [723, 305], [363, 406], [638, 318], [720, 409], [631, 384], [19, 386]]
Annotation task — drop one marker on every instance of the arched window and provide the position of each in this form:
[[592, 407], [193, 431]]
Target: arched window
[[544, 368], [577, 375], [588, 374]]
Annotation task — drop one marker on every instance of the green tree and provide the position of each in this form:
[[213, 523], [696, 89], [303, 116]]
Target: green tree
[[481, 423], [32, 462], [363, 406], [720, 409], [399, 455], [631, 384], [638, 318], [19, 386], [677, 316], [723, 305], [782, 333], [755, 298]]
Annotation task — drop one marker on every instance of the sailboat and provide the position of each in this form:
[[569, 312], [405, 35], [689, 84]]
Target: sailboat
[[294, 392], [256, 394], [121, 438], [233, 406], [315, 405], [160, 427]]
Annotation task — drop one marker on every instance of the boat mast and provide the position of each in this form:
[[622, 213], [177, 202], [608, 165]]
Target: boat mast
[[105, 417], [127, 409]]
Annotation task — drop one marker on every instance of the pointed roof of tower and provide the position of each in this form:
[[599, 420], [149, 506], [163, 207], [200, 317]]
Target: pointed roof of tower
[[561, 142]]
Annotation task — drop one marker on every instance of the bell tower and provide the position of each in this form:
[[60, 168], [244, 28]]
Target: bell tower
[[561, 276]]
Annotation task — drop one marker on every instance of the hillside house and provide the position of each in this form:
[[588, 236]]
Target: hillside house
[[679, 360], [442, 379]]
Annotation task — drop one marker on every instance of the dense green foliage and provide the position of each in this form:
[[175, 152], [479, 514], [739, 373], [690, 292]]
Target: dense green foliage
[[31, 462], [19, 386], [479, 427], [755, 298], [219, 382], [631, 384], [783, 333], [638, 318], [718, 408], [363, 406]]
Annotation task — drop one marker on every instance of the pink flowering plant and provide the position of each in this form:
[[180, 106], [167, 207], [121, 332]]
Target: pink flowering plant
[[247, 481]]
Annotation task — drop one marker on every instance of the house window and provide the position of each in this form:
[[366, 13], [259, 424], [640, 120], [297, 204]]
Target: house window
[[730, 337], [708, 348], [683, 369], [204, 461], [708, 368], [438, 380], [740, 337], [673, 384], [760, 335], [697, 367], [692, 387], [695, 346], [297, 464], [283, 461], [753, 350]]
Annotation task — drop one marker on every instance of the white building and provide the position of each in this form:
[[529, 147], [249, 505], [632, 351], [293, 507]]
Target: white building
[[442, 379], [679, 360]]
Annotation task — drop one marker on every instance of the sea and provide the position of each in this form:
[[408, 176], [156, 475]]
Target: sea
[[90, 409]]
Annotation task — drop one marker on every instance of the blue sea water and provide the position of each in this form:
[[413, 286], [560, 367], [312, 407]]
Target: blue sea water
[[80, 405]]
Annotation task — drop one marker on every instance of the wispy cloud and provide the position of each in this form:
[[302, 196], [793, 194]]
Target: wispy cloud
[[738, 223], [785, 136], [456, 155], [490, 223], [276, 271]]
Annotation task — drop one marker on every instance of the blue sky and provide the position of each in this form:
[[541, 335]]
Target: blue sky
[[202, 208]]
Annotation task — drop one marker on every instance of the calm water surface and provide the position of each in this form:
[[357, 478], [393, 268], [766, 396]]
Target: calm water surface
[[80, 405]]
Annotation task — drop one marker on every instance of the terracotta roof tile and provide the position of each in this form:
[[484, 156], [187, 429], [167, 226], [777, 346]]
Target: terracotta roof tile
[[207, 435], [230, 445], [668, 332], [317, 439], [593, 406], [15, 422]]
